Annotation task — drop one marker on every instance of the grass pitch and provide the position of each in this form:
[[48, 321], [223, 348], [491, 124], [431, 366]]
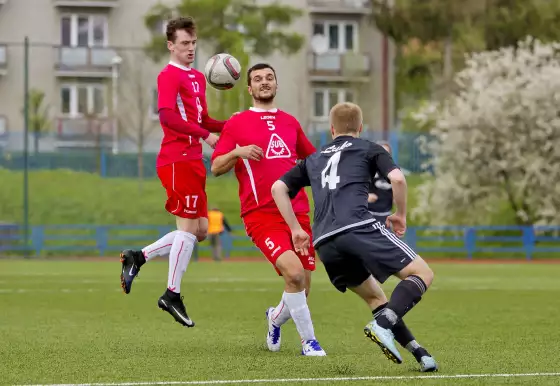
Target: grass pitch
[[68, 322]]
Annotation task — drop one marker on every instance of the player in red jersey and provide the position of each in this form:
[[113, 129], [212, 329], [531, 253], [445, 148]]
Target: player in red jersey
[[184, 119], [262, 144]]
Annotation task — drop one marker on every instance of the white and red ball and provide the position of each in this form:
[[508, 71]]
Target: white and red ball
[[222, 71]]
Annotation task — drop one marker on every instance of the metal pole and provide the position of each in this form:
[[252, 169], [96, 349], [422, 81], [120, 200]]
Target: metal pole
[[26, 146], [115, 79]]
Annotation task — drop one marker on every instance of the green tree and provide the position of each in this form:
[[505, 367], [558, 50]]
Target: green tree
[[506, 22], [454, 28], [239, 27], [428, 22], [39, 117]]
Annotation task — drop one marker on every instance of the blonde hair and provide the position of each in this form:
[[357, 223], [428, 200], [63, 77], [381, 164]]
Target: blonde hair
[[346, 118]]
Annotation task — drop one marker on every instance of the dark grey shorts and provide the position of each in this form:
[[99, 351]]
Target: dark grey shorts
[[351, 257]]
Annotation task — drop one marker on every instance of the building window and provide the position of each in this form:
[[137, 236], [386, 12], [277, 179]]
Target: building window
[[78, 100], [325, 99], [341, 35], [84, 31]]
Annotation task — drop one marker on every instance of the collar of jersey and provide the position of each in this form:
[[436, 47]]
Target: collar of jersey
[[179, 66], [257, 110]]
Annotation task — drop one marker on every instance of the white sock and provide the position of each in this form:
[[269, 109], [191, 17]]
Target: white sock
[[281, 314], [297, 304], [162, 247], [179, 258]]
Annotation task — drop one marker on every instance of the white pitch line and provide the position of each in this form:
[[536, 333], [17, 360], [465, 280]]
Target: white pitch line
[[340, 379]]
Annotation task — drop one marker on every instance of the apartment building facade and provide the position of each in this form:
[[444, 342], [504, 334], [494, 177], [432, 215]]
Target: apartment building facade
[[86, 57]]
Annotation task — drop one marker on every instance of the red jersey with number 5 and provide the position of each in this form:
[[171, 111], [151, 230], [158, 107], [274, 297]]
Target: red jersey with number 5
[[183, 90], [283, 142]]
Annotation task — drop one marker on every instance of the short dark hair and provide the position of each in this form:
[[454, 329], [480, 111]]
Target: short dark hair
[[178, 24], [259, 66]]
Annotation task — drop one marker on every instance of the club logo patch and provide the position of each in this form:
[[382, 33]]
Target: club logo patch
[[277, 148]]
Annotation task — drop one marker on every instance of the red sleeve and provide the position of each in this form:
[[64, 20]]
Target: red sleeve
[[174, 122], [212, 124], [168, 88], [227, 141], [304, 148]]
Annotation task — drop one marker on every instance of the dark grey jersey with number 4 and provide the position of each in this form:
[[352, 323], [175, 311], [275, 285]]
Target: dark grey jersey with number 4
[[339, 175]]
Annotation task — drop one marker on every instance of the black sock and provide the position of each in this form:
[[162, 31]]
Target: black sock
[[419, 353], [400, 330], [405, 296], [172, 295], [139, 258]]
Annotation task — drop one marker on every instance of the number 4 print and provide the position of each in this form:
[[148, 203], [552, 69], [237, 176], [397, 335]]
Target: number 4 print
[[332, 178]]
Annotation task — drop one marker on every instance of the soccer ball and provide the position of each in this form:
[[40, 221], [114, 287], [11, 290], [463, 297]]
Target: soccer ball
[[222, 71]]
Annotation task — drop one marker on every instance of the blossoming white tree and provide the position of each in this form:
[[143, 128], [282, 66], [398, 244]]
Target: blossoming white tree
[[496, 142]]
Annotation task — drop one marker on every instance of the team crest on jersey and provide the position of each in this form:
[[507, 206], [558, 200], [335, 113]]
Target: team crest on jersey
[[277, 148]]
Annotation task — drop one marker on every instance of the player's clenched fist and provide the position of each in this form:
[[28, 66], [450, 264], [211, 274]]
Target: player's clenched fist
[[301, 240], [250, 152], [398, 223], [211, 140]]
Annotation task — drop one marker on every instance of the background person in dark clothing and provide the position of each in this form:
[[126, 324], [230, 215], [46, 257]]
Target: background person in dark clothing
[[380, 198]]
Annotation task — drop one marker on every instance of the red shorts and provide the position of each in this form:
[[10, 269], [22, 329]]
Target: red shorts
[[185, 183], [270, 233]]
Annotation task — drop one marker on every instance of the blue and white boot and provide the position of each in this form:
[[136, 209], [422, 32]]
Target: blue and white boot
[[385, 339], [428, 364], [311, 348], [273, 338]]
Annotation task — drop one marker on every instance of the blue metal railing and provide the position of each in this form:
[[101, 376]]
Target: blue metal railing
[[430, 241], [101, 161]]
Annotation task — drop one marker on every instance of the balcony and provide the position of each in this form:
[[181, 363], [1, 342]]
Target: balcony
[[3, 59], [86, 3], [347, 7], [342, 67], [93, 62], [84, 132]]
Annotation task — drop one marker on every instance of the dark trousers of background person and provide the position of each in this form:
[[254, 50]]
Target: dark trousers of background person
[[216, 243]]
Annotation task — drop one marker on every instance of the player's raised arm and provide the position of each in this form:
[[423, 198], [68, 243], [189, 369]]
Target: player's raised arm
[[398, 181], [168, 89], [227, 152], [286, 188], [283, 190], [382, 161]]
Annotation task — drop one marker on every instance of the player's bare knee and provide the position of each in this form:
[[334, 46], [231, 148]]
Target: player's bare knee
[[423, 270], [419, 268], [294, 278], [427, 275]]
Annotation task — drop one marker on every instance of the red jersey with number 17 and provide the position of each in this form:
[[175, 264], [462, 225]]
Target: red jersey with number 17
[[283, 142], [181, 89]]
